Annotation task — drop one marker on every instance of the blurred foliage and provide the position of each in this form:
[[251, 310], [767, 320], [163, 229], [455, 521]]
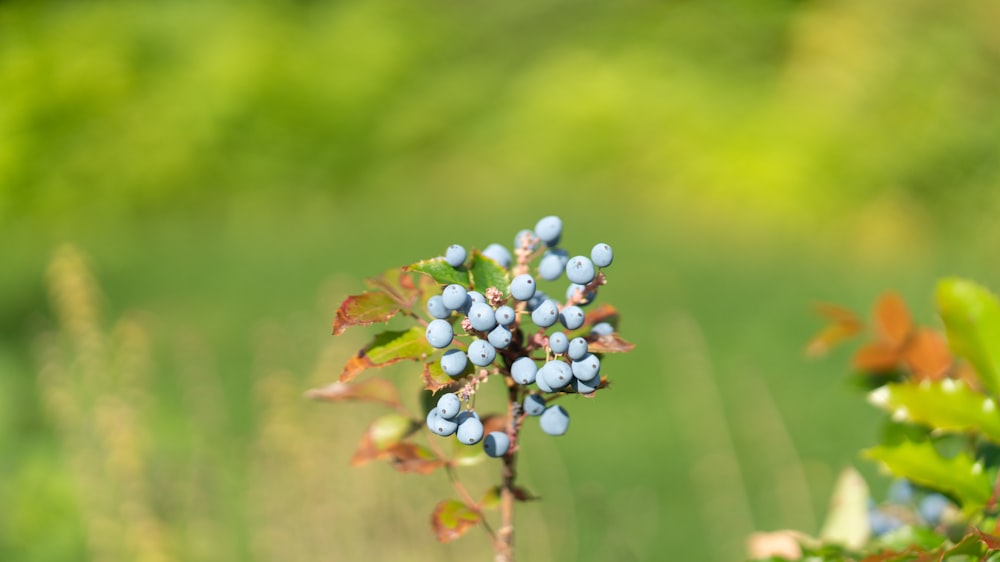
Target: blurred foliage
[[228, 167]]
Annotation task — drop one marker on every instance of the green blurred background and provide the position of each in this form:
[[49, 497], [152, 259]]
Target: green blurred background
[[187, 189]]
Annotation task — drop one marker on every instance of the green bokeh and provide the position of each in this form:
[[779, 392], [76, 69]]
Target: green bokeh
[[230, 169]]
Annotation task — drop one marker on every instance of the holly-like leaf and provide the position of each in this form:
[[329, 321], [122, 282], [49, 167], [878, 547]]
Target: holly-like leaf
[[410, 457], [371, 390], [960, 475], [441, 272], [381, 436], [487, 273], [947, 405], [971, 317], [386, 349], [451, 519], [364, 310], [435, 379]]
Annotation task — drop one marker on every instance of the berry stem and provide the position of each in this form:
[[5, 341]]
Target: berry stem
[[503, 546]]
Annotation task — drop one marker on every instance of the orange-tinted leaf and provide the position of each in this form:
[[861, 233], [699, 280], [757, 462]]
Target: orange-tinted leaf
[[992, 542], [892, 319], [451, 519], [372, 390], [609, 344], [388, 348], [381, 436], [927, 355], [399, 285], [876, 357], [434, 378], [363, 310], [410, 457], [843, 325]]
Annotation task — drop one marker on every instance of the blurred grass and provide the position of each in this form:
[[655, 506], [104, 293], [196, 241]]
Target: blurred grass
[[232, 170]]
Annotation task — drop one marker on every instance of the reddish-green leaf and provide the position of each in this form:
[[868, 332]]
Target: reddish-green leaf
[[363, 310], [451, 519], [440, 271], [609, 344], [487, 273], [434, 378], [410, 457], [371, 390], [382, 435], [387, 348], [400, 285], [992, 542]]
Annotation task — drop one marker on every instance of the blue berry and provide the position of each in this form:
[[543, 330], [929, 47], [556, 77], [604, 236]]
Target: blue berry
[[506, 315], [436, 307], [558, 342], [587, 368], [536, 301], [496, 444], [453, 362], [470, 431], [526, 239], [602, 255], [602, 329], [499, 337], [473, 298], [546, 314], [454, 296], [554, 420], [585, 297], [438, 425], [449, 405], [481, 353], [556, 374], [523, 370], [572, 317], [534, 404], [439, 333], [499, 254], [932, 507], [542, 385], [577, 349], [482, 317], [882, 523], [523, 287], [549, 229], [900, 492], [455, 255], [580, 270], [552, 264], [585, 387], [465, 415]]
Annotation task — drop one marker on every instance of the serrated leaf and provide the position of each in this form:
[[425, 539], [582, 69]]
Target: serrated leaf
[[488, 273], [364, 310], [435, 379], [413, 458], [451, 519], [382, 434], [388, 348], [971, 317], [946, 405], [960, 476], [440, 271], [847, 518], [371, 390]]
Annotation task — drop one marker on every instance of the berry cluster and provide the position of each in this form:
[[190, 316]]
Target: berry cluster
[[905, 507], [499, 324]]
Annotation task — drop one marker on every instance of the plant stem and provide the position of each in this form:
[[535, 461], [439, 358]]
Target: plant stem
[[503, 546]]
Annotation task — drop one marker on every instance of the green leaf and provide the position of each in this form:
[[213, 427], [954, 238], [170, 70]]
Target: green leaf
[[439, 269], [363, 310], [947, 405], [382, 435], [971, 317], [960, 476], [387, 348], [452, 519], [487, 273], [847, 518]]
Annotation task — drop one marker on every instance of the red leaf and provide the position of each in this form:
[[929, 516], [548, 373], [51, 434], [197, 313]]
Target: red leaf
[[876, 357], [410, 457], [992, 542], [451, 519], [893, 319], [927, 355], [364, 310], [388, 348], [372, 390]]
